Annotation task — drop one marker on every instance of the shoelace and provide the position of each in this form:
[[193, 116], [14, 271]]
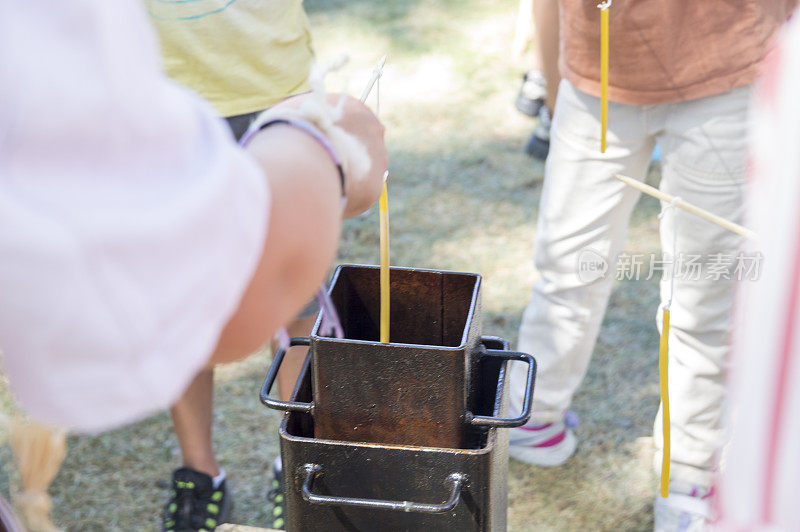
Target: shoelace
[[571, 419], [186, 499]]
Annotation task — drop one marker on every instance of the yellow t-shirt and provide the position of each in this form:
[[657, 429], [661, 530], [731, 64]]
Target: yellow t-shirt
[[241, 55]]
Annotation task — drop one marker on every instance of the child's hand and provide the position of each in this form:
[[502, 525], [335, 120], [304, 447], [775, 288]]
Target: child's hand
[[360, 122], [357, 120]]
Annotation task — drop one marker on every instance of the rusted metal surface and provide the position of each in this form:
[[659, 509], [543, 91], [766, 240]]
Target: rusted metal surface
[[399, 436], [402, 392], [366, 486], [415, 390]]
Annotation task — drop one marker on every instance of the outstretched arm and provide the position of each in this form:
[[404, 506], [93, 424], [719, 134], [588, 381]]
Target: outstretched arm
[[132, 224], [304, 225]]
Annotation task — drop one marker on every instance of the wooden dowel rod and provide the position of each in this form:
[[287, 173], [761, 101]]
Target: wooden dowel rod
[[685, 205], [376, 73]]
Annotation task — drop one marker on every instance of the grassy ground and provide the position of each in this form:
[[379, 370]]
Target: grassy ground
[[462, 196]]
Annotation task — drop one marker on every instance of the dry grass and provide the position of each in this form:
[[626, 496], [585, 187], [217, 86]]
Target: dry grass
[[462, 196]]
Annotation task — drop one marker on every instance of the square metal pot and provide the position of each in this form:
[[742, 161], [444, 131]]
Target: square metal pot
[[415, 390], [339, 485]]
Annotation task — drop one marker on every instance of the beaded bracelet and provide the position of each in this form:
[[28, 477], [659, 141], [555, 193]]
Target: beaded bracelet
[[307, 127]]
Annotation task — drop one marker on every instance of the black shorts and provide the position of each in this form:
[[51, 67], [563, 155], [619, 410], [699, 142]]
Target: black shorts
[[240, 123]]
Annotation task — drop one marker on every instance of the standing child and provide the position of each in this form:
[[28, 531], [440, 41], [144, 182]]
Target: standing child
[[680, 76], [243, 58]]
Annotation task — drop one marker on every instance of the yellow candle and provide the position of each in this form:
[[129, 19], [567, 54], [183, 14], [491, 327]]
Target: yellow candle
[[384, 222], [662, 370], [603, 77]]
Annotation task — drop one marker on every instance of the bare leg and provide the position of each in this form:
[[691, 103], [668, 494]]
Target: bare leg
[[192, 413], [191, 416], [545, 17], [293, 361]]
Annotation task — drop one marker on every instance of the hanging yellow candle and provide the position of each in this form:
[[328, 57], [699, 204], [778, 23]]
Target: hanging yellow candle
[[383, 213], [384, 223], [663, 374], [663, 349], [604, 37]]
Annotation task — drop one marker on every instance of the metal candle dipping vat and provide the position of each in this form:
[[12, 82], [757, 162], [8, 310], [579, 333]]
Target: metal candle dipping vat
[[415, 390], [337, 485], [399, 436]]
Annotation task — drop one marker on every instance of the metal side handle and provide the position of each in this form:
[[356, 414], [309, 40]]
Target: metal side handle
[[508, 422], [276, 404], [312, 471]]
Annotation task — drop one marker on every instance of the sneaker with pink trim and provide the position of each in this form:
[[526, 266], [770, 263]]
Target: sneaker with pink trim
[[687, 509], [546, 445]]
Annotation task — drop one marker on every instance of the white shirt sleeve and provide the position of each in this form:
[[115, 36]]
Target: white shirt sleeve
[[757, 485], [130, 222]]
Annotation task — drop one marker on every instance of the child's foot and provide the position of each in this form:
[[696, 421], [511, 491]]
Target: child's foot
[[275, 496], [538, 145], [546, 445], [531, 95], [195, 504], [687, 509]]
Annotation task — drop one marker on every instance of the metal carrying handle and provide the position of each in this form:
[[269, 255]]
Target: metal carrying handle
[[508, 422], [312, 471], [276, 404]]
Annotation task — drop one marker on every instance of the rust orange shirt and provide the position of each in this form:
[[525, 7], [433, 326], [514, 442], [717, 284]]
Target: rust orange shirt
[[664, 51]]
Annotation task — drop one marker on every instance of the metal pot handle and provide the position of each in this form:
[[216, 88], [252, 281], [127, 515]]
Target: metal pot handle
[[276, 404], [311, 471], [508, 422]]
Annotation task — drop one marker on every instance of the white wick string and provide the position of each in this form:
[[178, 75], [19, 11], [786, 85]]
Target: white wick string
[[672, 205], [378, 96], [378, 105]]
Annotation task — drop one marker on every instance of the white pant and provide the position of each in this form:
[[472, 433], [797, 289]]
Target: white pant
[[583, 207]]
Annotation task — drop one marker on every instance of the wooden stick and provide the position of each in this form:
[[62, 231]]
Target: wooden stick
[[376, 73], [697, 211]]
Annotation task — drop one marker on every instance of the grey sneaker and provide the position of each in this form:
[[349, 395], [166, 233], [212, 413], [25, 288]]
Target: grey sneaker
[[538, 145], [531, 95]]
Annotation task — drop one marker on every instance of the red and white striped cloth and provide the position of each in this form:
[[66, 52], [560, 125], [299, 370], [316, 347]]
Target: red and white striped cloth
[[760, 484]]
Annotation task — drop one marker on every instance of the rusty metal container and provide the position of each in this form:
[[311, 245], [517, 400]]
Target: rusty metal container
[[337, 485], [415, 390]]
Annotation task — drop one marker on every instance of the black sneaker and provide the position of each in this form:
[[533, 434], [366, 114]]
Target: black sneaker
[[531, 95], [275, 497], [194, 504], [538, 145]]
